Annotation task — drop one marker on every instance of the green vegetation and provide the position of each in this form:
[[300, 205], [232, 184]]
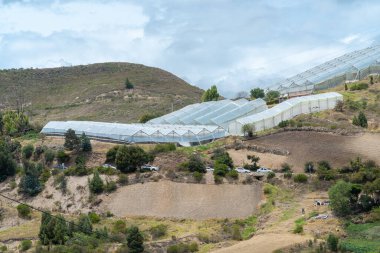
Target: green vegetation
[[110, 186], [298, 229], [198, 176], [72, 141], [362, 238], [25, 245], [300, 178], [27, 151], [309, 167], [158, 231], [358, 86], [96, 183], [163, 148], [130, 158], [24, 211], [14, 123], [29, 182], [255, 163], [86, 143], [7, 164], [94, 217], [135, 240], [183, 248], [128, 84], [360, 120], [248, 130], [62, 157], [211, 94], [272, 96], [257, 93], [148, 116], [332, 242]]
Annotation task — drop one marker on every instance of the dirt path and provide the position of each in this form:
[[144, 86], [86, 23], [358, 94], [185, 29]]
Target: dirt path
[[265, 243]]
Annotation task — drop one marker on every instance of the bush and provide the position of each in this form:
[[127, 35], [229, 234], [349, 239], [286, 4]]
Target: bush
[[86, 143], [122, 179], [25, 245], [340, 196], [164, 148], [358, 86], [198, 176], [183, 248], [300, 178], [285, 167], [96, 183], [220, 169], [7, 164], [271, 175], [158, 231], [62, 157], [130, 158], [288, 175], [110, 186], [30, 183], [24, 211], [267, 190], [135, 240], [111, 154], [309, 167], [49, 156], [233, 174], [72, 141], [221, 156], [332, 242], [298, 229], [94, 218], [148, 116], [218, 179], [283, 123], [27, 151], [119, 226], [196, 164]]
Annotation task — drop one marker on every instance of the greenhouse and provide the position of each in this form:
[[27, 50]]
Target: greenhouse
[[139, 133], [349, 67], [212, 113], [285, 111]]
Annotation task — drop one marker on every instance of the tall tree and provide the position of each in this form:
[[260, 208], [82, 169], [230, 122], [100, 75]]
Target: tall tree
[[84, 224], [135, 240], [72, 141], [211, 94], [362, 120], [30, 183], [86, 143], [96, 183], [257, 93], [130, 158], [60, 230], [272, 96], [340, 197]]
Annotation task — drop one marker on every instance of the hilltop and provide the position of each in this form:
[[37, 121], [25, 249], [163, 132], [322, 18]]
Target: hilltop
[[95, 92]]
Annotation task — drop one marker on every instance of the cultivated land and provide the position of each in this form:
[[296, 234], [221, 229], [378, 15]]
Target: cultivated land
[[95, 92]]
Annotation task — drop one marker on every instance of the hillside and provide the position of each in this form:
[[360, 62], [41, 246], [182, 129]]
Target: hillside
[[95, 92]]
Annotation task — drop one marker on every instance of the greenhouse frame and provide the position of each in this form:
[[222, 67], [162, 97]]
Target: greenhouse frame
[[137, 133], [285, 111], [353, 66]]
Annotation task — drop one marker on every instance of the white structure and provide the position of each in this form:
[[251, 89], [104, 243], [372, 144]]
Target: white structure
[[285, 111], [141, 133], [219, 113]]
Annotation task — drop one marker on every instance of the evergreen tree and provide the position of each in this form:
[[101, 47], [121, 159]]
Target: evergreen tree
[[7, 164], [72, 141], [84, 224], [46, 233], [30, 183], [60, 230], [128, 84], [135, 240], [257, 93], [130, 158], [86, 143], [211, 94], [362, 120], [96, 183]]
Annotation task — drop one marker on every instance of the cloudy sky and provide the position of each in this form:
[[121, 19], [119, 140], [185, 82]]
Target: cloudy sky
[[236, 44]]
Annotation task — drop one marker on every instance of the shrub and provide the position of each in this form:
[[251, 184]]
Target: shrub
[[27, 151], [300, 178], [283, 123], [7, 164], [271, 175], [148, 116], [158, 231], [285, 167], [309, 167], [128, 84], [358, 86], [130, 158], [198, 176], [218, 179], [119, 226], [340, 198], [45, 175], [96, 183], [374, 215], [298, 229], [267, 190], [196, 164], [61, 182], [135, 240], [24, 211], [122, 179], [49, 156], [183, 248], [111, 154], [72, 141], [29, 183], [94, 218], [164, 148], [233, 174], [247, 130], [332, 242], [110, 186], [220, 169], [288, 175], [25, 245], [236, 233], [86, 143], [221, 156], [62, 157]]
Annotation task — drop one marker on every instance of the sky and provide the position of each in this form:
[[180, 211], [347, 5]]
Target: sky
[[235, 44]]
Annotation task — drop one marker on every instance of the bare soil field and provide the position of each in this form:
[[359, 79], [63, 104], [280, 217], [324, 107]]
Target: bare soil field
[[313, 146], [179, 200]]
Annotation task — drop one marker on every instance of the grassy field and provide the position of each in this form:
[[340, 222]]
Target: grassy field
[[95, 92], [363, 238]]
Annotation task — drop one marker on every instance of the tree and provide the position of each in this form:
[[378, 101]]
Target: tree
[[221, 156], [210, 94], [7, 164], [271, 96], [257, 93], [247, 130], [14, 123], [46, 233], [30, 183], [111, 154], [49, 156], [148, 116], [255, 162], [130, 158], [128, 84], [27, 151], [340, 198], [1, 123], [220, 169], [345, 87], [60, 230], [339, 106], [362, 120], [84, 224], [332, 242], [309, 167], [196, 164], [72, 141], [86, 143], [135, 240], [371, 80], [96, 183]]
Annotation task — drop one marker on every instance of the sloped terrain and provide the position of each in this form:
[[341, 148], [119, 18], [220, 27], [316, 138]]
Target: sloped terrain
[[95, 92]]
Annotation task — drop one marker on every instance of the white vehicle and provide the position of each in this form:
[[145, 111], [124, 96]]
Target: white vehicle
[[242, 170], [106, 165], [264, 170], [150, 168], [209, 169]]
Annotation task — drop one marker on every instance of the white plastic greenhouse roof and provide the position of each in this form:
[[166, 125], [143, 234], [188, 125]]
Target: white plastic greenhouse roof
[[137, 132], [211, 113], [275, 110], [348, 63]]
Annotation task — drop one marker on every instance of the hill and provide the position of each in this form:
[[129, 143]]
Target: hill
[[94, 92]]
